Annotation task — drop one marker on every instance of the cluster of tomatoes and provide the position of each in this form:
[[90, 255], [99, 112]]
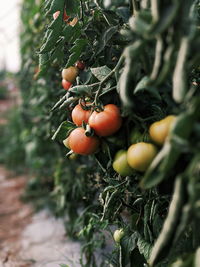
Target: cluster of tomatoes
[[69, 74], [140, 155], [93, 123]]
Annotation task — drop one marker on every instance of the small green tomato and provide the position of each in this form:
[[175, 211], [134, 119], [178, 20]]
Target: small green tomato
[[120, 163], [118, 234]]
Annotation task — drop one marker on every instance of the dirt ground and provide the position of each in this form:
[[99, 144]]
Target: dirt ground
[[14, 216]]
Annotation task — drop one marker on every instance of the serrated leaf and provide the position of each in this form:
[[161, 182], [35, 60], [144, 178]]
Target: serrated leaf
[[76, 51], [81, 90], [72, 33], [107, 35], [57, 5], [144, 248], [101, 72], [63, 130]]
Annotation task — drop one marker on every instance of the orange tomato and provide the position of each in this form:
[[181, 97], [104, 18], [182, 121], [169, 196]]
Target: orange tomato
[[79, 115], [106, 122], [81, 144]]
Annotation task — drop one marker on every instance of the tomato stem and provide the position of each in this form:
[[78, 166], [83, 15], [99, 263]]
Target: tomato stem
[[119, 63], [89, 131]]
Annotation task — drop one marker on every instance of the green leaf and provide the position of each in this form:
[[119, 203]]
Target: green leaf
[[76, 51], [63, 130], [107, 35], [101, 72], [144, 247], [81, 90], [57, 6], [143, 86], [72, 7], [72, 33]]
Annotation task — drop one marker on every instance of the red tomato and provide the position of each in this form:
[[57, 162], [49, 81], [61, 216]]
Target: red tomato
[[80, 65], [79, 115], [106, 122], [65, 84], [81, 144]]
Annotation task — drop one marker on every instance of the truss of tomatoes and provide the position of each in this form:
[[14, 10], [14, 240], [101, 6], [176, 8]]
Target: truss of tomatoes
[[69, 74], [104, 122]]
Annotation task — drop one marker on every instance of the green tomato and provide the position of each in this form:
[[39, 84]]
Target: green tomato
[[120, 163], [118, 234]]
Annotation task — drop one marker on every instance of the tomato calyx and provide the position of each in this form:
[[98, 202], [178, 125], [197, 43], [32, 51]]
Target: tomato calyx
[[85, 105], [88, 130]]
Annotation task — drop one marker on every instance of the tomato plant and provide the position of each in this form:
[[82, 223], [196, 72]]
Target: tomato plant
[[142, 57]]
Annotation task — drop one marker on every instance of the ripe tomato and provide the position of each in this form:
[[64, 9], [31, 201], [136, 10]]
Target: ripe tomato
[[159, 130], [81, 144], [70, 74], [118, 234], [141, 155], [106, 122], [80, 65], [120, 163], [65, 84], [79, 115]]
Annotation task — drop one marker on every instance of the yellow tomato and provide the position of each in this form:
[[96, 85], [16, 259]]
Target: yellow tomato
[[70, 74], [159, 130], [120, 164], [141, 155]]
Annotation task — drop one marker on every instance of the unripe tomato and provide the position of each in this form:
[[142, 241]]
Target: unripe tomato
[[118, 234], [81, 144], [141, 155], [70, 74], [120, 163], [80, 65], [106, 122], [159, 130], [79, 115], [66, 142], [65, 84]]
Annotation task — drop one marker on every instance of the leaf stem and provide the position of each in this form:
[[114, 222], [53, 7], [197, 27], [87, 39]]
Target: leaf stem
[[119, 63], [135, 7]]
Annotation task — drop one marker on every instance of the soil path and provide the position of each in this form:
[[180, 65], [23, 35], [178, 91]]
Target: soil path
[[14, 216]]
